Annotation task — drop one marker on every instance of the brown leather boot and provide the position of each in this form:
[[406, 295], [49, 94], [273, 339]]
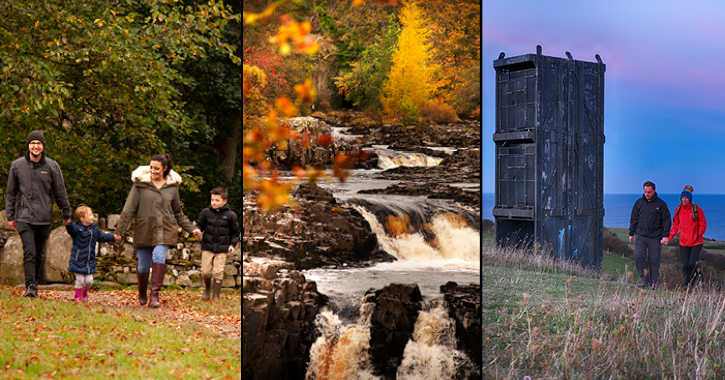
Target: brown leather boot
[[143, 283], [158, 272], [217, 287], [207, 287]]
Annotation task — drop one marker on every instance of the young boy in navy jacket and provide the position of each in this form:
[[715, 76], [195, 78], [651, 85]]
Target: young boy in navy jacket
[[221, 233], [82, 263]]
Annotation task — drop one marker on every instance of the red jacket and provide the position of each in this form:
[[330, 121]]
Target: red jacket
[[690, 231]]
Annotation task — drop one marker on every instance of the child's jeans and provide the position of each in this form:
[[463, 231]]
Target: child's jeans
[[83, 280], [213, 264], [147, 254]]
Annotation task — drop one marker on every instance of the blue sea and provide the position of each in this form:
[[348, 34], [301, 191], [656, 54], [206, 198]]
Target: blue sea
[[618, 208]]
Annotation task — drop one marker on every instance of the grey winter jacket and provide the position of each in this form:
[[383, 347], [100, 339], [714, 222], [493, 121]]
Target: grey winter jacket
[[157, 211], [32, 186]]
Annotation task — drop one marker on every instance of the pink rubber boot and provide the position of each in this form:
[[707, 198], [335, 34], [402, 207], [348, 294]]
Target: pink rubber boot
[[78, 294]]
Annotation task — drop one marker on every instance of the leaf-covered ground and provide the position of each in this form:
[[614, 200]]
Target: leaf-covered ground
[[111, 336], [179, 306]]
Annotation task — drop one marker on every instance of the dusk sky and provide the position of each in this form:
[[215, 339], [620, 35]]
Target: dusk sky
[[664, 107]]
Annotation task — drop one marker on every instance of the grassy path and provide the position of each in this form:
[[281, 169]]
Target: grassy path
[[111, 336]]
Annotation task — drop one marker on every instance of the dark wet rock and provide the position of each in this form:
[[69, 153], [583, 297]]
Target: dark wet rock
[[464, 307], [316, 232], [392, 324], [431, 190], [279, 307]]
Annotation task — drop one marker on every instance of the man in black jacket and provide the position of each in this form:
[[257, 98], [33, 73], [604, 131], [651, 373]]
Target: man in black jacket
[[34, 181], [651, 223]]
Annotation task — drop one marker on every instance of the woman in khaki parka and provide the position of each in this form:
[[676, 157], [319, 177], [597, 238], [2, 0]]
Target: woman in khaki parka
[[154, 202]]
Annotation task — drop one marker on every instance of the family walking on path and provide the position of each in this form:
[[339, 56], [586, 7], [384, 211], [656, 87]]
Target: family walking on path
[[35, 181], [651, 225]]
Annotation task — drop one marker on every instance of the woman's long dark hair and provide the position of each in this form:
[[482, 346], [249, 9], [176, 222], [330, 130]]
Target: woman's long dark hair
[[165, 161]]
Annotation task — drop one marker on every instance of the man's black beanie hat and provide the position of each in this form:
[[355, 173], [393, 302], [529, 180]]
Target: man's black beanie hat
[[35, 135]]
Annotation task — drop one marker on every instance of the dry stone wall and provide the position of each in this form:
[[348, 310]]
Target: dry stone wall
[[114, 262]]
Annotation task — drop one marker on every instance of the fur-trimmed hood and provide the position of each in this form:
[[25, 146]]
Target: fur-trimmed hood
[[143, 174]]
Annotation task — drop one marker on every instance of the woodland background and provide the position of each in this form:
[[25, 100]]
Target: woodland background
[[398, 62], [113, 82]]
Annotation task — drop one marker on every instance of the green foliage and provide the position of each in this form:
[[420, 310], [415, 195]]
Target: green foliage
[[104, 84], [363, 84]]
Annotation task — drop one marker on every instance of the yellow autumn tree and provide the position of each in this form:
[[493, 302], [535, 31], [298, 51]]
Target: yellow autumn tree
[[410, 81]]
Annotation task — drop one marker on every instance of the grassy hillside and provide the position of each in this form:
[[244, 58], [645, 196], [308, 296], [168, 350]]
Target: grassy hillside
[[547, 319]]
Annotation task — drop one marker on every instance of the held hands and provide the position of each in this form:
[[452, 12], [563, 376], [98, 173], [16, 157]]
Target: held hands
[[197, 233], [665, 240], [66, 222], [631, 239], [11, 224], [116, 237], [231, 249]]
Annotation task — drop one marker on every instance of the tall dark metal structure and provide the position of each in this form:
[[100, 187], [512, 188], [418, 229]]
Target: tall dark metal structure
[[550, 154]]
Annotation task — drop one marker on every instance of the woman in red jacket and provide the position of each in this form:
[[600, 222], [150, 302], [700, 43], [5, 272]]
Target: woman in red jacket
[[690, 221]]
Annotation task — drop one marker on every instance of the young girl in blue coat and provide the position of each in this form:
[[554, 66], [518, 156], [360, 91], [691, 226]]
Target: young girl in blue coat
[[82, 264]]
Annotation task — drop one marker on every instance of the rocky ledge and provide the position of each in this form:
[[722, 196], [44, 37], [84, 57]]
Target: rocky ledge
[[316, 232], [279, 307]]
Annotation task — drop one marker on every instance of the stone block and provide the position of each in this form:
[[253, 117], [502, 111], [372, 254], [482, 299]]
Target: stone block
[[112, 221], [4, 221], [183, 280], [228, 282], [126, 278], [11, 264], [230, 270], [128, 251], [57, 254]]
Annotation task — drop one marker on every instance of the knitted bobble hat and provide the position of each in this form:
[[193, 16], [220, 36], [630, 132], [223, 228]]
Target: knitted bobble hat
[[687, 192], [35, 135]]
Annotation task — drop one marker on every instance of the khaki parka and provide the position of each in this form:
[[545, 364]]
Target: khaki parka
[[157, 211]]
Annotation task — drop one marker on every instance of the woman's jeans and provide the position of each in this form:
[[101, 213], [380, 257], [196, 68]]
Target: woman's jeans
[[147, 254]]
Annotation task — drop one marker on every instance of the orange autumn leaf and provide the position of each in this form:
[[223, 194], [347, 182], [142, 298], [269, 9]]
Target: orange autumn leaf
[[324, 139], [285, 106], [305, 92]]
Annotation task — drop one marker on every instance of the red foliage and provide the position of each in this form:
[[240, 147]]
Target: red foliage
[[277, 84]]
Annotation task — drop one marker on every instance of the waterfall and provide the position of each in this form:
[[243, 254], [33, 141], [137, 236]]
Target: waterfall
[[446, 235], [431, 353], [389, 159], [341, 352]]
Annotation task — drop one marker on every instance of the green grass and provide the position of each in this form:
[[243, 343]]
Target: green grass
[[46, 338], [549, 320]]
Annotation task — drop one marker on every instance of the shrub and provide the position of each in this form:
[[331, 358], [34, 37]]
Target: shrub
[[438, 113], [616, 245]]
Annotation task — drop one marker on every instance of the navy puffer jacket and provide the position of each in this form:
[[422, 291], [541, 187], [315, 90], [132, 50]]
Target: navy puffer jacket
[[83, 255], [220, 227]]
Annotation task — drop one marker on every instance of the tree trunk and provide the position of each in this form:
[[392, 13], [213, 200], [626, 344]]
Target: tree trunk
[[227, 146]]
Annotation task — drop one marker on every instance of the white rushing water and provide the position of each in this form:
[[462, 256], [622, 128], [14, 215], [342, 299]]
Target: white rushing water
[[433, 244], [432, 353], [341, 352]]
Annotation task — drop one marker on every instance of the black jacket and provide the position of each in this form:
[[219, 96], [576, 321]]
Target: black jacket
[[220, 227], [650, 219], [32, 187]]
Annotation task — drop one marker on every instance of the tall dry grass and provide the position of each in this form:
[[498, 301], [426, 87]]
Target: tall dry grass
[[612, 330]]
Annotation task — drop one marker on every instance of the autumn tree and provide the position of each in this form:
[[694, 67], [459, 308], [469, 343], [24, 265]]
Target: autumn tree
[[103, 80], [455, 32], [410, 81]]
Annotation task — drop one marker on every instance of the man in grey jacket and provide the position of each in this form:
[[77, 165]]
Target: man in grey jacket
[[34, 182]]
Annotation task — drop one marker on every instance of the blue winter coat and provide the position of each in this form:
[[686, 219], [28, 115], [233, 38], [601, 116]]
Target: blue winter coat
[[83, 255]]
